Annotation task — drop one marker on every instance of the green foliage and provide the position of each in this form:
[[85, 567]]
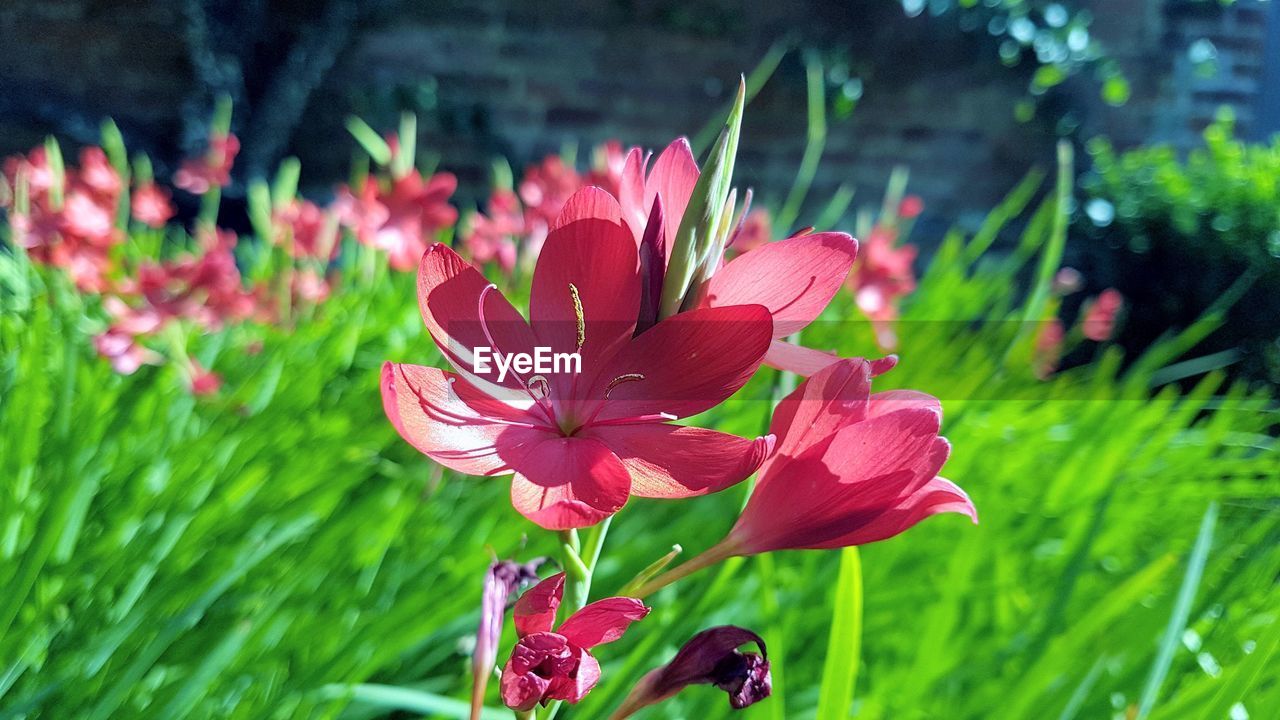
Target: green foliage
[[279, 552], [1183, 231]]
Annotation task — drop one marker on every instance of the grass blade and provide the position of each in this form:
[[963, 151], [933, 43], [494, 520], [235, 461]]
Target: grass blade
[[840, 670]]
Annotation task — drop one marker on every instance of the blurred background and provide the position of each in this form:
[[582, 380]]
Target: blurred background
[[1070, 222], [967, 94]]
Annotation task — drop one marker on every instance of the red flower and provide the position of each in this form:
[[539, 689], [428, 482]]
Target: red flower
[[151, 206], [204, 382], [1100, 315], [401, 220], [307, 229], [851, 467], [1048, 348], [794, 278], [883, 275], [756, 230], [213, 169], [547, 665], [493, 234], [579, 443]]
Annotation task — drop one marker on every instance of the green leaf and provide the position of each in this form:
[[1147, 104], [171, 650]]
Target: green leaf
[[370, 140], [1181, 611], [390, 698], [844, 644]]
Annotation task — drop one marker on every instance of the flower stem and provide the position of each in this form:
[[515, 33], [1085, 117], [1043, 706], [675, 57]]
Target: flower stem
[[716, 553]]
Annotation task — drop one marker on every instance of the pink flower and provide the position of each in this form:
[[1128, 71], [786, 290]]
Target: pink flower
[[204, 382], [151, 206], [756, 230], [851, 467], [402, 220], [1048, 348], [493, 234], [213, 169], [1100, 315], [881, 277], [307, 228], [910, 207], [1067, 280], [551, 665], [579, 443], [794, 279], [97, 174], [123, 350]]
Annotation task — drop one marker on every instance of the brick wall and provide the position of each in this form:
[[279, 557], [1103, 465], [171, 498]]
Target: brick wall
[[520, 79]]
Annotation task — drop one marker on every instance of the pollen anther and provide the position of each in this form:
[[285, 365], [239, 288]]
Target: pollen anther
[[577, 313]]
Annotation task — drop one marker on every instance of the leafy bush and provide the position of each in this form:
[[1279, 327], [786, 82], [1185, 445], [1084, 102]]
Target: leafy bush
[[1178, 236]]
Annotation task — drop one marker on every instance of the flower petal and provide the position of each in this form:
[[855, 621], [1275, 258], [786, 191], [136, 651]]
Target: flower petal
[[602, 621], [573, 689], [833, 398], [631, 191], [449, 295], [795, 278], [672, 178], [672, 461], [423, 405], [569, 482], [586, 286], [535, 611], [687, 363], [589, 203]]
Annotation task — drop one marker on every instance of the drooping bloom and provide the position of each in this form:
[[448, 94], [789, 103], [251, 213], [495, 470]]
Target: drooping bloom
[[150, 205], [201, 174], [711, 657], [579, 443], [851, 467], [551, 665], [1100, 315], [503, 579]]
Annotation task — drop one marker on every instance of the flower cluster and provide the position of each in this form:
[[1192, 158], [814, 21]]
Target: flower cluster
[[648, 279], [98, 221], [516, 221]]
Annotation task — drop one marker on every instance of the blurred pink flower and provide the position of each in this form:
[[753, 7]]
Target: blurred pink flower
[[204, 382], [307, 227], [1048, 348], [910, 207], [493, 234], [201, 174], [1066, 281], [121, 348], [1100, 315], [150, 205], [402, 220], [756, 230], [881, 276]]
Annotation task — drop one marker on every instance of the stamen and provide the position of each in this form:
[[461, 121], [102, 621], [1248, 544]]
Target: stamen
[[577, 312], [541, 403], [539, 383], [626, 378], [636, 419]]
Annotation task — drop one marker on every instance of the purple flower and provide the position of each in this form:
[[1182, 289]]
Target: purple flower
[[504, 578], [711, 657]]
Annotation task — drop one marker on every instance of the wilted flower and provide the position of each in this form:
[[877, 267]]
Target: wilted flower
[[711, 657], [547, 665], [579, 443], [503, 579], [150, 205], [201, 174], [1100, 315]]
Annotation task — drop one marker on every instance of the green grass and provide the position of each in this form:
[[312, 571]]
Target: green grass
[[278, 552]]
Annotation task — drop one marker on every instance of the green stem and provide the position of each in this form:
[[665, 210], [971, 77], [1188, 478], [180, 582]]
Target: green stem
[[717, 553]]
